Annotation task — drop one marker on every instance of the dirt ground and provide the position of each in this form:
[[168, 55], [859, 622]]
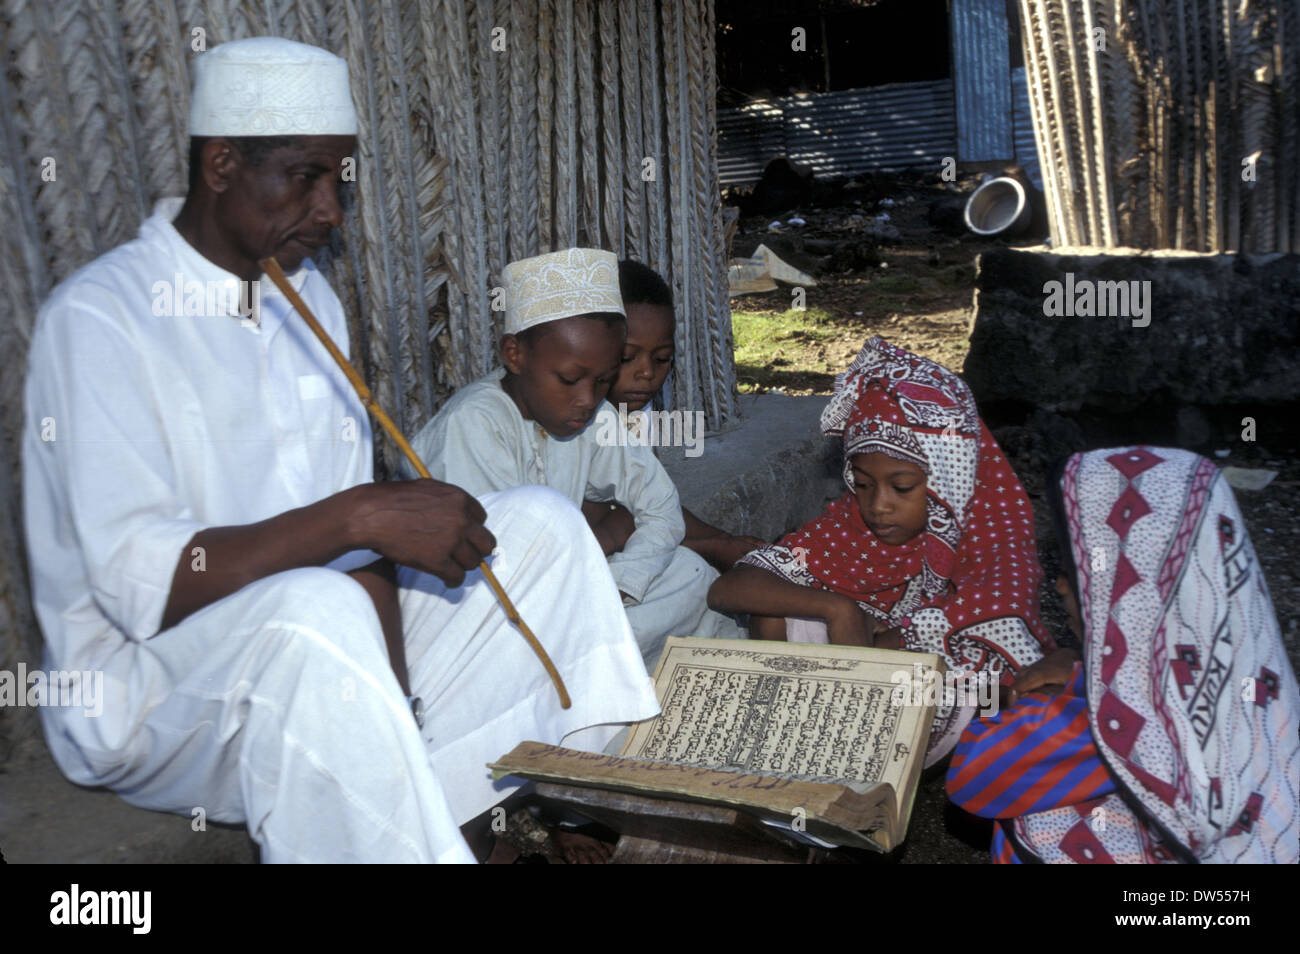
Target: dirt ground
[[917, 291]]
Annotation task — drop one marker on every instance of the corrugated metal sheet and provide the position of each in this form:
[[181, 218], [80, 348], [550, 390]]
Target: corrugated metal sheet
[[747, 138], [981, 64], [1026, 147], [840, 133]]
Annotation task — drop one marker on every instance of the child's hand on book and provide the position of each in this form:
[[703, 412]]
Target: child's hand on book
[[847, 625], [889, 638]]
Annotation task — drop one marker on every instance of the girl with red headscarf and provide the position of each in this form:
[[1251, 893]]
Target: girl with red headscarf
[[932, 548]]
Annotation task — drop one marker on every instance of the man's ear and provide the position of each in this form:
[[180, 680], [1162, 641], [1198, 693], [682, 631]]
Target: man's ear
[[512, 354], [219, 161]]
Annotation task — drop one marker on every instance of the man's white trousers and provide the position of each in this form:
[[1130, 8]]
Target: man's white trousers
[[676, 604], [276, 706]]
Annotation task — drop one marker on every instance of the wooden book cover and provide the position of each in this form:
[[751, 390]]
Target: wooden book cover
[[823, 739]]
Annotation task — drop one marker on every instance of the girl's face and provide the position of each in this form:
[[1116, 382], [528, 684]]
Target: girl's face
[[891, 496], [647, 355]]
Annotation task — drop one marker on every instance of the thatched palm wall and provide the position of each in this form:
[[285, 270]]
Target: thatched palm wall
[[469, 156], [1143, 137]]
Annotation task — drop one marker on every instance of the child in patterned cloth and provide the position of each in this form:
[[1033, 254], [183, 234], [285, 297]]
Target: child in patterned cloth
[[932, 548], [1174, 738]]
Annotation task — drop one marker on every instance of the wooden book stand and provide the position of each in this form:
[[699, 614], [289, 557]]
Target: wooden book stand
[[664, 831]]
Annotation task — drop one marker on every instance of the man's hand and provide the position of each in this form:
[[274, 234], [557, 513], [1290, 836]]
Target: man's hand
[[425, 524]]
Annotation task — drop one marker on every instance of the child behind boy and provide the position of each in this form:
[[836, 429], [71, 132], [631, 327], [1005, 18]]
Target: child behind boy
[[647, 359], [527, 423]]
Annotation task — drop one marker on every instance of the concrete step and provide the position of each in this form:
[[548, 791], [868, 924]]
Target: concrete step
[[771, 474]]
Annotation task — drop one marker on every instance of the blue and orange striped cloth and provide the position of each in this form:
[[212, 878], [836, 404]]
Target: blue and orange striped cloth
[[1031, 757]]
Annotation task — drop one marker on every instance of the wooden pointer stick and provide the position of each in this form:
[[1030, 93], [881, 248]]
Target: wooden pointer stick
[[276, 274]]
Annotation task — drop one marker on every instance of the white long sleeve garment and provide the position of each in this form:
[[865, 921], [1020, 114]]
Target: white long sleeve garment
[[276, 705], [143, 429], [479, 441]]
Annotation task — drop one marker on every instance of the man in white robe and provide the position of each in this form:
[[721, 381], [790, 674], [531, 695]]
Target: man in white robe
[[203, 527], [481, 440]]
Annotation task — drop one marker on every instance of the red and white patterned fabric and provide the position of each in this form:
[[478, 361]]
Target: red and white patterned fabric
[[1192, 702], [967, 586], [1104, 831]]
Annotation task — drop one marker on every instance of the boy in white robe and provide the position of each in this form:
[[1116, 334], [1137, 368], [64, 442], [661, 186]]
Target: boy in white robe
[[532, 422], [204, 532]]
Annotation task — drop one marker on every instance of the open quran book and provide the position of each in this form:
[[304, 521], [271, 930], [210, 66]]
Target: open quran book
[[826, 740]]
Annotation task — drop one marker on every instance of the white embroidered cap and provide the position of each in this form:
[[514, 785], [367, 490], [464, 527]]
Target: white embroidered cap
[[576, 281], [269, 86]]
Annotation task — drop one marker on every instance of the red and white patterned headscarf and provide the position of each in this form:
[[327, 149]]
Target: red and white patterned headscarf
[[967, 586]]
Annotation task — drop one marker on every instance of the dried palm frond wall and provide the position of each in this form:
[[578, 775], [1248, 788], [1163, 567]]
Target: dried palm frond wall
[[489, 131], [1143, 143]]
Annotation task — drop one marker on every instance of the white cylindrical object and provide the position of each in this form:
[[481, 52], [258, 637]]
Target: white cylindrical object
[[998, 207]]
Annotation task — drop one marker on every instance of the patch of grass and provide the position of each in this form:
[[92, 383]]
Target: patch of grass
[[756, 333], [812, 344]]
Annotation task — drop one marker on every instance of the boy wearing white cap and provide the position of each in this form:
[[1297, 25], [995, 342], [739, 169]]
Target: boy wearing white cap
[[204, 529], [531, 423]]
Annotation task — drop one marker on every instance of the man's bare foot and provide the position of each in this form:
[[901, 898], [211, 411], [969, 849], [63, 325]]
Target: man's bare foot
[[526, 838], [579, 849]]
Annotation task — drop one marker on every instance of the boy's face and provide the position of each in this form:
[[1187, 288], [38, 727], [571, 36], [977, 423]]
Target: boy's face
[[561, 372], [647, 355], [891, 496]]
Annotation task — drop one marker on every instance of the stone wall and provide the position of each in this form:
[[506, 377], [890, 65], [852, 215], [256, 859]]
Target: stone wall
[[1192, 329]]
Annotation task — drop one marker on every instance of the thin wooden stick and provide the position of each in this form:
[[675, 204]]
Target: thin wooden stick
[[276, 274]]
